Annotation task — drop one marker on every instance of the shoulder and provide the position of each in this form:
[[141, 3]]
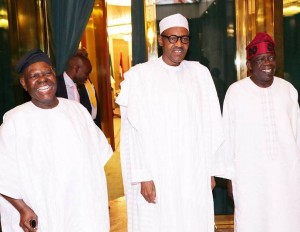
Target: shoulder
[[21, 110], [286, 86], [281, 82], [73, 108], [197, 69], [194, 65], [142, 67], [239, 87], [67, 103], [139, 73], [240, 83]]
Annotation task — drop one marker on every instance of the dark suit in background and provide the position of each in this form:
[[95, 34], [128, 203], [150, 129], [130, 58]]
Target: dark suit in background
[[61, 87], [85, 101], [84, 97]]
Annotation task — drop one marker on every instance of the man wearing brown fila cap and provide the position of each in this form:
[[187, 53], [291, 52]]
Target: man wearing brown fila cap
[[262, 126], [52, 159], [171, 130]]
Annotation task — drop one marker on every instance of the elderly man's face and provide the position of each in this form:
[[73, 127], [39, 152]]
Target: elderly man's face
[[262, 69], [174, 53], [40, 82]]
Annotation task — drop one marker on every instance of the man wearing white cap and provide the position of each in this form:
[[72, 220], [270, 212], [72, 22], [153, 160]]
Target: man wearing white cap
[[171, 130]]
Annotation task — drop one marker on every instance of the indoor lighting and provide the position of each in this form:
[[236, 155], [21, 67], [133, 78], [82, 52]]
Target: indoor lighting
[[3, 19], [291, 7]]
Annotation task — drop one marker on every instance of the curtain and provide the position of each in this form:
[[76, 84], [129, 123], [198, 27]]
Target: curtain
[[139, 53], [68, 19]]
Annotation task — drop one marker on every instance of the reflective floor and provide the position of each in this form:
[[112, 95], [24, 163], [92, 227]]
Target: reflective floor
[[118, 218]]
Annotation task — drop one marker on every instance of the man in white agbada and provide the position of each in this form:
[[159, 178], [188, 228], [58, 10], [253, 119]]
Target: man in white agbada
[[52, 158], [171, 130], [261, 118]]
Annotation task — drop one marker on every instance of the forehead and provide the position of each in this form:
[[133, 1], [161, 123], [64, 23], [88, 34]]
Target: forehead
[[263, 55], [37, 66], [86, 64], [176, 31]]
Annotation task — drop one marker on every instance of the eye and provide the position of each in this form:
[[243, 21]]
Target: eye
[[185, 39], [48, 73], [173, 39], [34, 76]]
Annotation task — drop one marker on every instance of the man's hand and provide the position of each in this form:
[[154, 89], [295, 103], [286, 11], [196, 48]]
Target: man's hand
[[148, 191], [28, 218], [213, 182]]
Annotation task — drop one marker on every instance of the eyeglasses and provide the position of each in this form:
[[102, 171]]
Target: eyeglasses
[[264, 59], [185, 39]]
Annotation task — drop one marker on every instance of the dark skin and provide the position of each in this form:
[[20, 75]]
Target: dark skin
[[40, 82], [262, 69], [26, 214], [173, 55], [79, 69]]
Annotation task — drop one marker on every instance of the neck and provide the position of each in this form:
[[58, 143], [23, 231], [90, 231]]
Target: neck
[[262, 84]]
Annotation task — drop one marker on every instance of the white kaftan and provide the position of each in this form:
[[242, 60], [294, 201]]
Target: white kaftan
[[54, 160], [171, 129], [261, 133]]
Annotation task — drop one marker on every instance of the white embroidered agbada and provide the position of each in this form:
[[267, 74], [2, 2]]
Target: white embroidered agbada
[[262, 149], [171, 129], [54, 160]]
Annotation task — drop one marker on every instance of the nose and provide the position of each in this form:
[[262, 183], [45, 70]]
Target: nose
[[179, 43], [42, 78]]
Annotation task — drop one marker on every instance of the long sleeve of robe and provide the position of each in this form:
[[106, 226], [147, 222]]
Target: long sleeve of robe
[[54, 160], [262, 153], [170, 132]]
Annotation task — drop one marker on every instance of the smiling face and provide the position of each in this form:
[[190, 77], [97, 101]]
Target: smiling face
[[262, 69], [173, 54], [40, 82]]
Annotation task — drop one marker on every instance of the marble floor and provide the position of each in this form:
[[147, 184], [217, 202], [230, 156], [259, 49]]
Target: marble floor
[[118, 218]]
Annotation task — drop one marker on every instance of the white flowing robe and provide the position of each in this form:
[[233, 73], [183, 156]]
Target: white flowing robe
[[262, 151], [54, 160], [171, 129]]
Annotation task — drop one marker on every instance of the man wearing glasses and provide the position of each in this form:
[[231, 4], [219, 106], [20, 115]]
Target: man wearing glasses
[[171, 131], [262, 125]]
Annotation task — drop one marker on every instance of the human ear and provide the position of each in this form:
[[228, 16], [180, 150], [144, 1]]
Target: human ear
[[160, 41], [249, 65], [23, 83]]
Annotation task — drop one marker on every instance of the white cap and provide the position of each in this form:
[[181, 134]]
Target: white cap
[[176, 20]]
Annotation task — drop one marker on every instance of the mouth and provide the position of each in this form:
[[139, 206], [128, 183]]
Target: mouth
[[44, 89], [178, 51], [267, 71]]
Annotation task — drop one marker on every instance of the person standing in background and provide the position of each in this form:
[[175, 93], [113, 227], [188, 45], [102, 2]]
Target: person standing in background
[[74, 84], [88, 94], [78, 70]]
